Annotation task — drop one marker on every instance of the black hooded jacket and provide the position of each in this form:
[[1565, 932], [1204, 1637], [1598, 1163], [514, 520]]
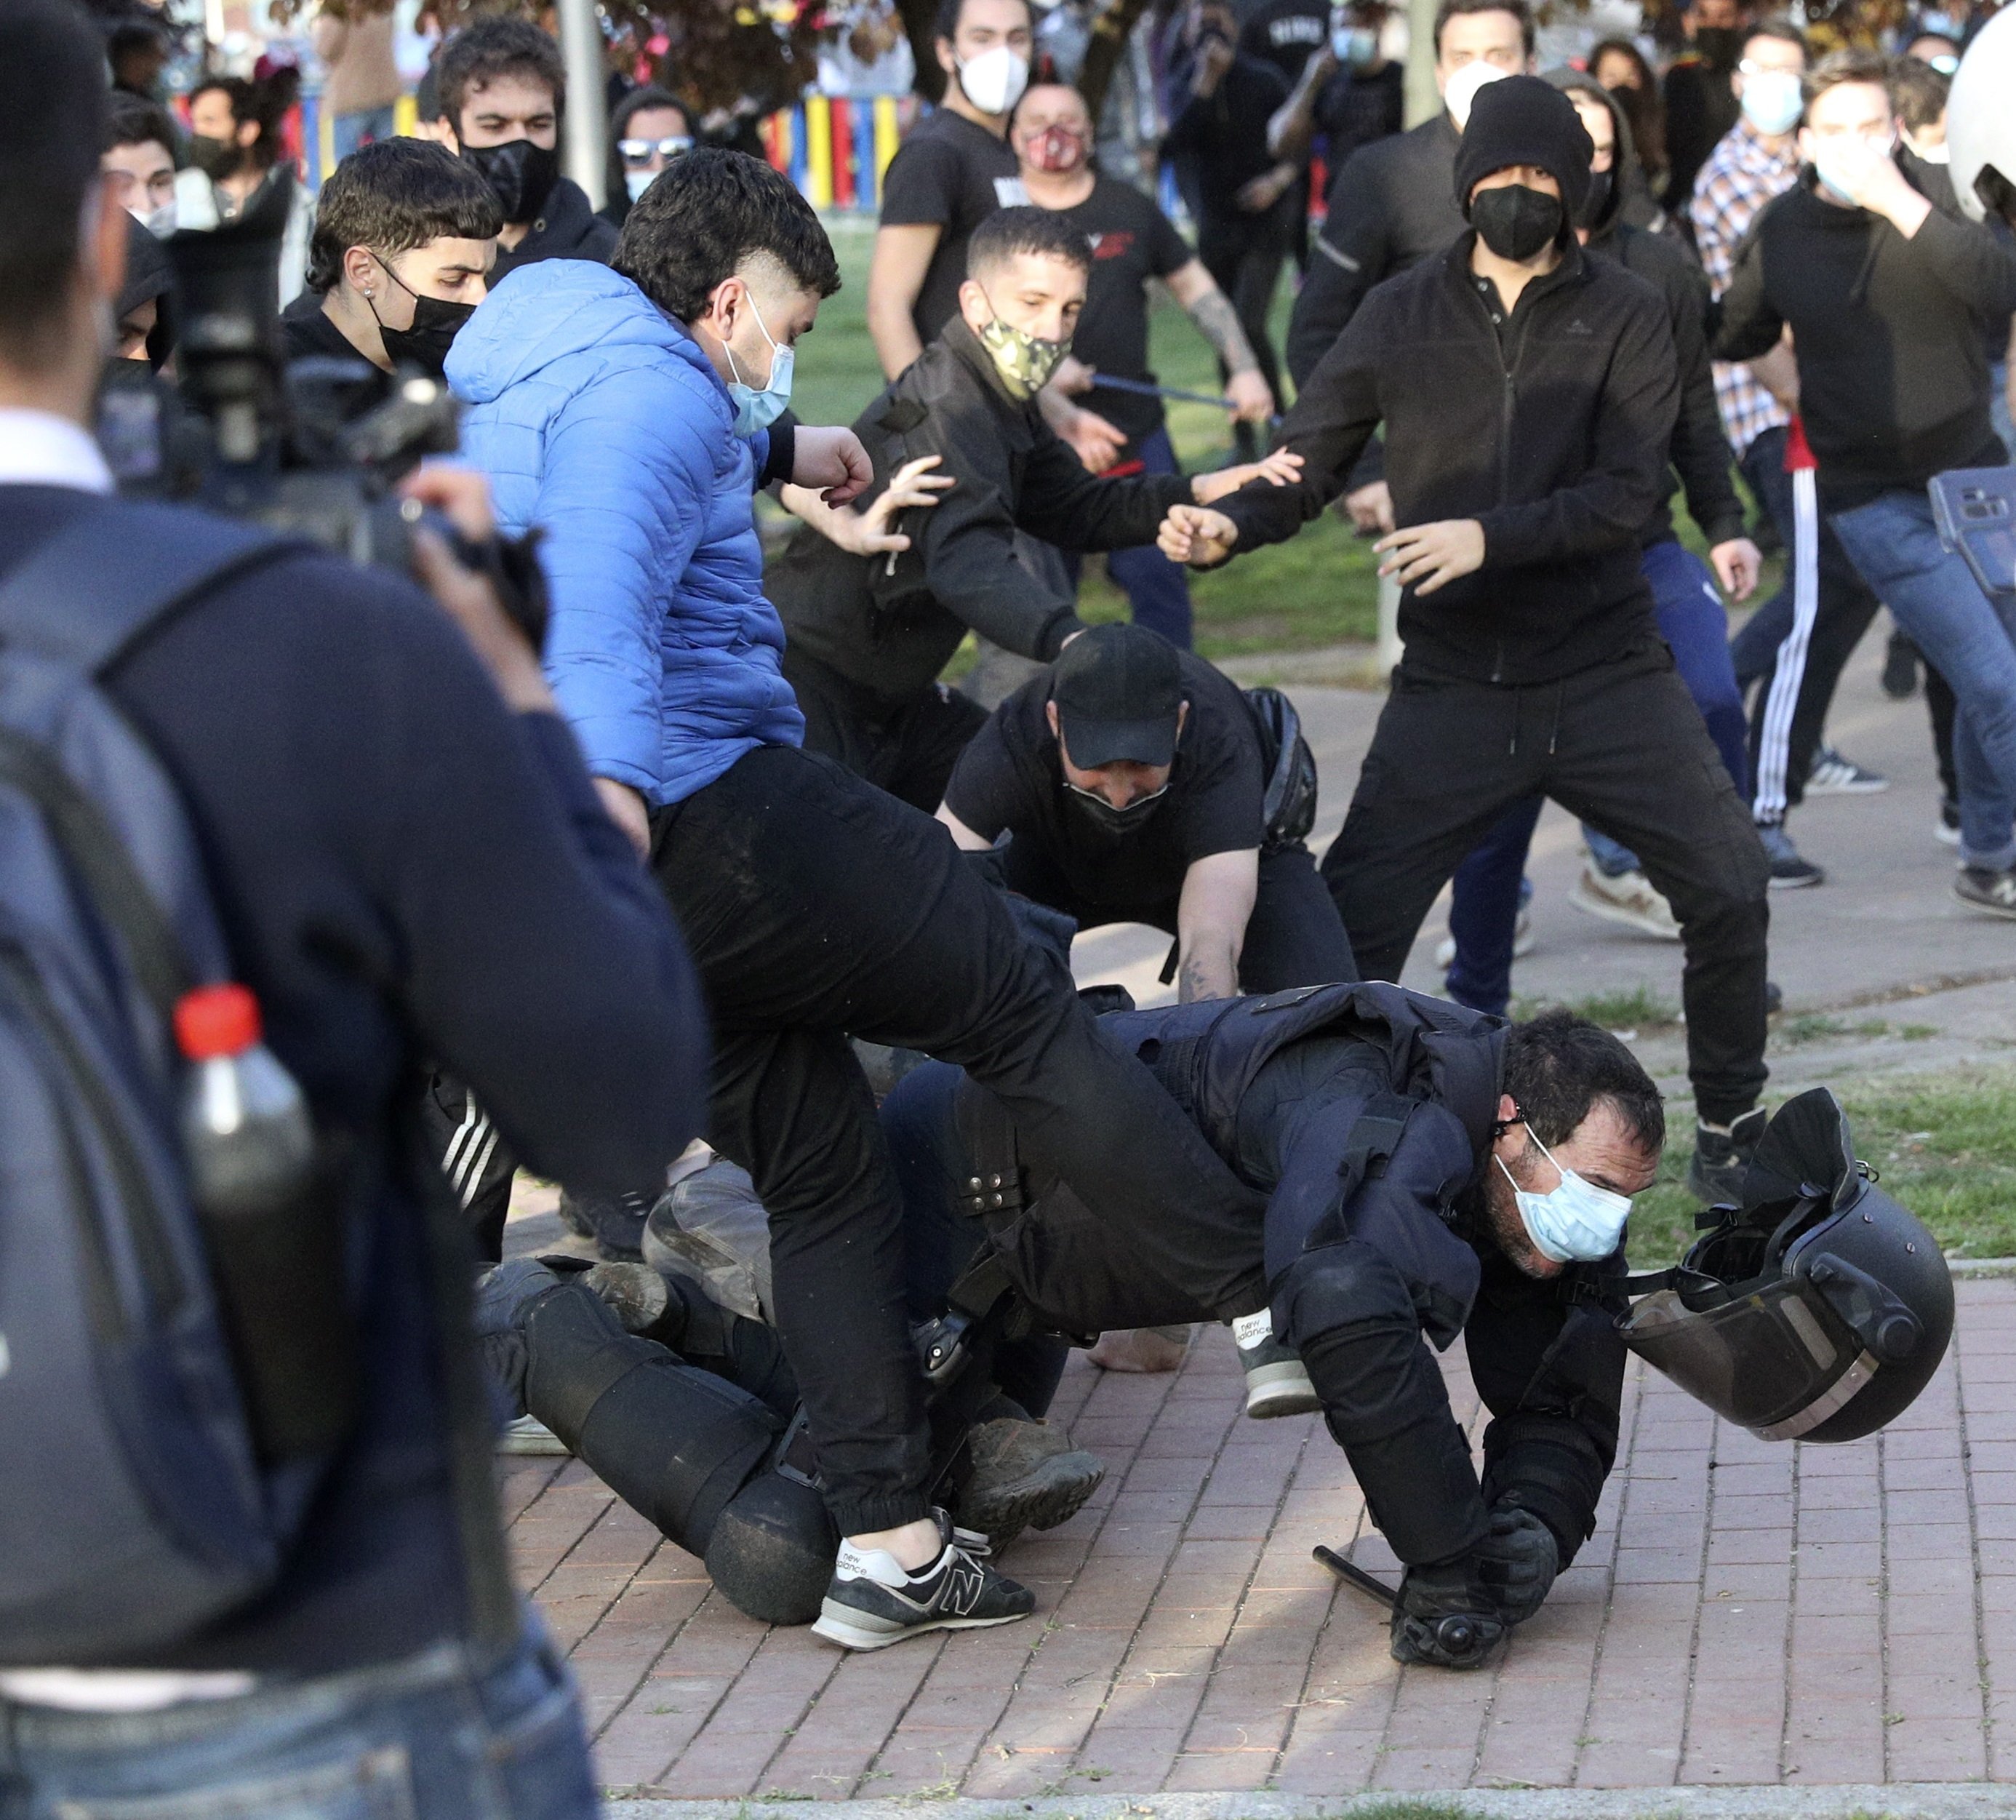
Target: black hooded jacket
[[890, 624], [567, 228]]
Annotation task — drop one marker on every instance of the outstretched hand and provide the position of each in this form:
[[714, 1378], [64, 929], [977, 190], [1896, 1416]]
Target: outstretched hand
[[911, 486], [1281, 469]]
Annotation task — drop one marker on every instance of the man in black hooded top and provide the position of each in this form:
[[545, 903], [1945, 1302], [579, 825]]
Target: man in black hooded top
[[1529, 393]]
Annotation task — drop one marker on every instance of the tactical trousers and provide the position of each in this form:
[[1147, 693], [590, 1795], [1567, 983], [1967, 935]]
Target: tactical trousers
[[1620, 745], [815, 908]]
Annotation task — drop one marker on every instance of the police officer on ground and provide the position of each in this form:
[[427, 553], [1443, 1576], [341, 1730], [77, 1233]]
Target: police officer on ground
[[869, 635], [1130, 779], [407, 858], [1429, 1171]]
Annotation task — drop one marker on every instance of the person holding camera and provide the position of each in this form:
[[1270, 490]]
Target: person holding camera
[[404, 236], [405, 857]]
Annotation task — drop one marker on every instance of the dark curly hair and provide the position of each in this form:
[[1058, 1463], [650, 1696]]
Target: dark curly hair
[[480, 53], [393, 195], [707, 214], [1558, 1065]]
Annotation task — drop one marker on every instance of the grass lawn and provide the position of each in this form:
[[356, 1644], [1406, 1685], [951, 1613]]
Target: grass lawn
[[1320, 588], [1943, 1143]]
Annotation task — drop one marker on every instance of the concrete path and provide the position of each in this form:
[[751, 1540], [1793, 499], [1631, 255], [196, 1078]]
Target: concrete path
[[1746, 1616]]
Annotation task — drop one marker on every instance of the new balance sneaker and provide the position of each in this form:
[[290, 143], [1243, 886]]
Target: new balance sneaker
[[1946, 831], [1833, 774], [1789, 871], [1627, 899], [871, 1601], [1277, 1381], [1022, 1475], [1981, 890], [1722, 1158]]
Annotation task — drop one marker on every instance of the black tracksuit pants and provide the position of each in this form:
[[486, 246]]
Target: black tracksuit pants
[[1621, 745], [815, 908], [1295, 936], [907, 748]]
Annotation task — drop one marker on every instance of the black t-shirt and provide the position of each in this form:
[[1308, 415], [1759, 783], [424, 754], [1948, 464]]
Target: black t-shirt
[[1284, 33], [1223, 136], [952, 174], [305, 331], [1354, 110], [1009, 777], [1132, 241]]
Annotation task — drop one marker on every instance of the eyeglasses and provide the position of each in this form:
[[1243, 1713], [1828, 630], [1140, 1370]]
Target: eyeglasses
[[636, 153]]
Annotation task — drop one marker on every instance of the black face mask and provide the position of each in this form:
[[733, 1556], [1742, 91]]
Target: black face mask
[[1103, 816], [217, 159], [1719, 46], [520, 174], [436, 322], [1516, 222], [1596, 202]]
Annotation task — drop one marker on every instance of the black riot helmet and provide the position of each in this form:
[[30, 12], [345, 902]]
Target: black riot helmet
[[1818, 1309]]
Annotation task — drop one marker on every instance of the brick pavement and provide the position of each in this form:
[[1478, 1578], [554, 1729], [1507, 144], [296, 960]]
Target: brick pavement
[[1745, 1614]]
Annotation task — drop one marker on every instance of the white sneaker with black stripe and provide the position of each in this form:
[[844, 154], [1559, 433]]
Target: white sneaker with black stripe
[[872, 1601]]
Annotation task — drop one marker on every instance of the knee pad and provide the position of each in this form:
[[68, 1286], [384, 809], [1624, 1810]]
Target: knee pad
[[773, 1549], [674, 1443]]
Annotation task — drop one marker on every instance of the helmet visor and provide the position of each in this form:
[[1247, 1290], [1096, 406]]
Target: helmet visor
[[1773, 1361]]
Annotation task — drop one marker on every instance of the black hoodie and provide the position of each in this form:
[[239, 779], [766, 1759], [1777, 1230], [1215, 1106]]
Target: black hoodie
[[567, 229]]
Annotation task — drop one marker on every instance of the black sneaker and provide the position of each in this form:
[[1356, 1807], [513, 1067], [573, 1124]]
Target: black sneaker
[[1722, 1158], [872, 1603], [1835, 774], [1277, 1381], [1981, 889], [1789, 872]]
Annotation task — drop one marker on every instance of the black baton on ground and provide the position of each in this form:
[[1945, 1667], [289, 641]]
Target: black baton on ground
[[1454, 1633]]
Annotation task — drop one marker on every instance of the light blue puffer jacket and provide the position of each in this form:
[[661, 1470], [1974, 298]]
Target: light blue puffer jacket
[[599, 419]]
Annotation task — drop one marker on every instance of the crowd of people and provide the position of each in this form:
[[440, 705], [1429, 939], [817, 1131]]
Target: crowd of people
[[675, 845]]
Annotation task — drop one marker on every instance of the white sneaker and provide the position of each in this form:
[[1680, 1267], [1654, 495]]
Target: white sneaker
[[1522, 941], [529, 1435], [1627, 899]]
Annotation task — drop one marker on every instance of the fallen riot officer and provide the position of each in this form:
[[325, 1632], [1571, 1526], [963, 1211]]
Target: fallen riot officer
[[1430, 1172], [688, 1411]]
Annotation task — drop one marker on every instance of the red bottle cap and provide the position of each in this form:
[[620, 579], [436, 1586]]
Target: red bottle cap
[[216, 1020]]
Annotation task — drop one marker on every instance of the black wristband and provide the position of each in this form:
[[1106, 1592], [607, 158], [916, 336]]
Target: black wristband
[[783, 450]]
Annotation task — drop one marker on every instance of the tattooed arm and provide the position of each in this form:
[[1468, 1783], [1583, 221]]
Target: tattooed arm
[[1211, 310], [1218, 897]]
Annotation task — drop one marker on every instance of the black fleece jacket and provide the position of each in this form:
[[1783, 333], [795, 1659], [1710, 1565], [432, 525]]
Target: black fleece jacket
[[1551, 430], [890, 626], [1892, 337]]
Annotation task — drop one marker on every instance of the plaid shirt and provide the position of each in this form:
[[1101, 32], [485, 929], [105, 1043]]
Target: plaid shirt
[[1742, 173]]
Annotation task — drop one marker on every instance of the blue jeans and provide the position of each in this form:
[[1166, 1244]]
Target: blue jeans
[[1157, 590], [1967, 638], [434, 1737], [1485, 903], [349, 131]]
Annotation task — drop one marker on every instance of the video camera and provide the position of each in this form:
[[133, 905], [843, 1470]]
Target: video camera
[[314, 447]]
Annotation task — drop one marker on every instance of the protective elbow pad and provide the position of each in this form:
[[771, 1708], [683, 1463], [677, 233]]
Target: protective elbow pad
[[1550, 1466], [674, 1443]]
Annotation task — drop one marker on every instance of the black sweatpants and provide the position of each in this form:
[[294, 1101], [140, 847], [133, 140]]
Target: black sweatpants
[[1295, 936], [1622, 746], [817, 907], [474, 1157], [1243, 254], [908, 748]]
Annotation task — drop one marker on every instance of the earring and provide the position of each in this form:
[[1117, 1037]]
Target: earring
[[368, 291]]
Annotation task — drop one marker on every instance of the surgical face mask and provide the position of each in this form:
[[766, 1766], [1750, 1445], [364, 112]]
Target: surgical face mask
[[520, 174], [1461, 89], [994, 81], [1942, 153], [1516, 222], [758, 408], [1116, 821], [637, 182], [425, 342], [160, 222], [1945, 63], [1578, 1222], [1025, 362], [1772, 102], [1356, 45], [1839, 157], [1059, 149]]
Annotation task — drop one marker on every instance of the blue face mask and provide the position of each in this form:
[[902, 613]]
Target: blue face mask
[[1578, 1222], [756, 409]]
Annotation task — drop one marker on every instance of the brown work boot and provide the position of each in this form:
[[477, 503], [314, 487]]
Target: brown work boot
[[1023, 1474]]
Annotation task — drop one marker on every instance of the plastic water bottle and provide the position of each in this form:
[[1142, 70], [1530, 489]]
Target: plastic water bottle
[[246, 1132]]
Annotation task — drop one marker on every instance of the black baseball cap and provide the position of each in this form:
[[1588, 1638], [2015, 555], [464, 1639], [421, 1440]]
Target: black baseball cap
[[1119, 690]]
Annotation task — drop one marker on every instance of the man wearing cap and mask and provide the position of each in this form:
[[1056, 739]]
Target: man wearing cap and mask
[[1428, 1172], [501, 87], [869, 635], [1529, 393], [1130, 779]]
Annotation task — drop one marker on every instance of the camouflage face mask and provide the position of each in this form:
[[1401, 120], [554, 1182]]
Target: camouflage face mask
[[1024, 361]]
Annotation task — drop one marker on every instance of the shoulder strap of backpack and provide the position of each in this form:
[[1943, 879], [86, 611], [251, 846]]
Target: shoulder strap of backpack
[[84, 596]]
